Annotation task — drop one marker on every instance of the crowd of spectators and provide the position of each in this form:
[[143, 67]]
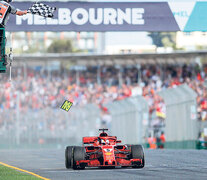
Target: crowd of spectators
[[39, 89]]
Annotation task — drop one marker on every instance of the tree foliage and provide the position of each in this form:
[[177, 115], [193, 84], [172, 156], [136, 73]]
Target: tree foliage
[[163, 39], [60, 46]]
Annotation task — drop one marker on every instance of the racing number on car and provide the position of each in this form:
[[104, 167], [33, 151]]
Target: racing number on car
[[66, 105]]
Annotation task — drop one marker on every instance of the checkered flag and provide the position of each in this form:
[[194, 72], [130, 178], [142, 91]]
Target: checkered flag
[[42, 10]]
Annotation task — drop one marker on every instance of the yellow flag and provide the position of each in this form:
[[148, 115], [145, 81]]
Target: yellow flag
[[66, 105]]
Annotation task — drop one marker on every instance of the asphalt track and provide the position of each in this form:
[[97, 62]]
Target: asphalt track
[[160, 164]]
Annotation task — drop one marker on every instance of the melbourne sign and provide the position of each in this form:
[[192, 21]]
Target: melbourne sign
[[81, 16], [97, 16]]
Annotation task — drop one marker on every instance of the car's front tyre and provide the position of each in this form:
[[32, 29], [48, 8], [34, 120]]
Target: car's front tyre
[[68, 156]]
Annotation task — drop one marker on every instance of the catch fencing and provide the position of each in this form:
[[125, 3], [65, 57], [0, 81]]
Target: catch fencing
[[129, 119], [48, 126], [27, 128], [181, 113]]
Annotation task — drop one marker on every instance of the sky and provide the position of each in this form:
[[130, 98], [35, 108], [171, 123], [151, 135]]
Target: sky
[[127, 38]]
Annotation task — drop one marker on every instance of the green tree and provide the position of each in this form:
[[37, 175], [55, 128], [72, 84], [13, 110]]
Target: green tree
[[156, 38], [60, 46], [163, 39]]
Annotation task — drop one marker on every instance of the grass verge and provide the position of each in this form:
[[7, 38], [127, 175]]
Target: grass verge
[[12, 174]]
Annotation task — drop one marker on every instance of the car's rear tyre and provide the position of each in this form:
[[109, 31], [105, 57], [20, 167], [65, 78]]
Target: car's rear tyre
[[138, 153], [68, 156], [78, 154]]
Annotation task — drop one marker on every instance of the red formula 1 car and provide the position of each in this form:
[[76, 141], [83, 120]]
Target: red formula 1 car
[[103, 151]]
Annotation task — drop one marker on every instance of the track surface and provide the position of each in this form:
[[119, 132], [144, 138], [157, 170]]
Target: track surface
[[160, 164]]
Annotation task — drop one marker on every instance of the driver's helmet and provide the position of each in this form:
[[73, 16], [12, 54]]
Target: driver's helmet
[[103, 141]]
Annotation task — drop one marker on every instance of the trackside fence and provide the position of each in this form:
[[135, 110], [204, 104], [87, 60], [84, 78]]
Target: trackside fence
[[181, 125], [48, 126], [129, 117]]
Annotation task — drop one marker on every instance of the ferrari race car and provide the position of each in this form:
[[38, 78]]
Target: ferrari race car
[[103, 151]]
